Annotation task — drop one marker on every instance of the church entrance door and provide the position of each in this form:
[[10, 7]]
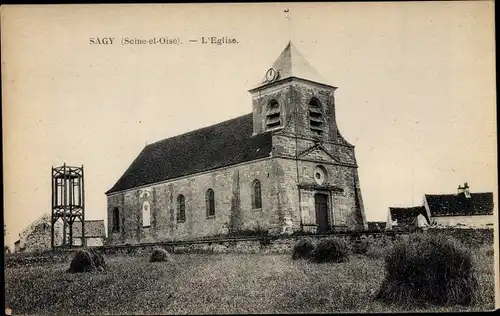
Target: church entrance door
[[321, 205]]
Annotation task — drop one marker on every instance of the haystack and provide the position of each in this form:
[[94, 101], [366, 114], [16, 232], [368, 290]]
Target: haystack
[[98, 259], [160, 255], [331, 250], [86, 260], [428, 269], [303, 249]]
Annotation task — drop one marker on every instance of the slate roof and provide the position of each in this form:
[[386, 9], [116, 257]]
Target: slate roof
[[224, 144], [407, 215], [93, 228], [459, 205], [291, 63]]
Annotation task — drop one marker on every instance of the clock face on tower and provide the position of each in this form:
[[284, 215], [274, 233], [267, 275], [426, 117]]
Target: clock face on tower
[[271, 75]]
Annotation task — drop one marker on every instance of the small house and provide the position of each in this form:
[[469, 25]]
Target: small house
[[460, 210], [463, 209], [407, 218], [37, 235], [95, 233]]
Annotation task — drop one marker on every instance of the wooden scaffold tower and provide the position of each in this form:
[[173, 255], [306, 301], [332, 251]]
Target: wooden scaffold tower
[[68, 203]]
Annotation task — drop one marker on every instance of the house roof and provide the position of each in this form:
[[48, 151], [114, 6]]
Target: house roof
[[407, 215], [215, 146], [459, 205], [93, 228], [43, 218], [291, 63]]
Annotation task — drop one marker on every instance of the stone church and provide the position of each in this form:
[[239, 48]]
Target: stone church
[[283, 168]]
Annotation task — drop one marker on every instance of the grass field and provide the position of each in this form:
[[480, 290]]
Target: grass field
[[215, 283]]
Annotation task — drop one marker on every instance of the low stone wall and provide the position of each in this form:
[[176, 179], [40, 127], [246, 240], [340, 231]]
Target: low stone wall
[[469, 236], [30, 258], [250, 244]]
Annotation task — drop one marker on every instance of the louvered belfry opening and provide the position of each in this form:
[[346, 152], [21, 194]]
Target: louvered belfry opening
[[273, 118], [315, 116]]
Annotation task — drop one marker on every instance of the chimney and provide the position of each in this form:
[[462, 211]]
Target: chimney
[[466, 190]]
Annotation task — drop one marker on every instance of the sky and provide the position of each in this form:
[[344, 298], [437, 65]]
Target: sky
[[416, 90]]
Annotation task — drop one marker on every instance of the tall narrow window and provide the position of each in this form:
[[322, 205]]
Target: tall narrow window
[[256, 195], [273, 118], [146, 214], [210, 198], [181, 209], [315, 116], [116, 220]]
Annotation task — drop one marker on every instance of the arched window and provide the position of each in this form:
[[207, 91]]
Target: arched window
[[146, 214], [273, 118], [210, 198], [116, 220], [315, 116], [181, 209], [256, 195]]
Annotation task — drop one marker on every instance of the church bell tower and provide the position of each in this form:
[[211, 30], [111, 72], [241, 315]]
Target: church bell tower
[[293, 98], [297, 105]]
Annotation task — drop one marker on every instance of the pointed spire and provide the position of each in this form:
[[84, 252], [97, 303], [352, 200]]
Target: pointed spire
[[291, 63]]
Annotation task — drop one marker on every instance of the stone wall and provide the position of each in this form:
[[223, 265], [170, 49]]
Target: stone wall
[[233, 205], [37, 258], [287, 145], [472, 237], [467, 221], [344, 208], [284, 244], [252, 244], [38, 239], [90, 241], [37, 236], [294, 97]]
